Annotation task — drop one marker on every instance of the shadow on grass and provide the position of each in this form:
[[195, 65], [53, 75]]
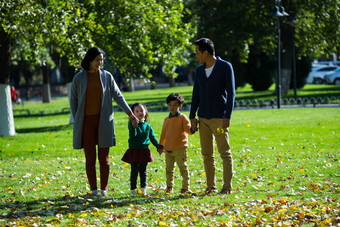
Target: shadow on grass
[[44, 129], [77, 204], [26, 113]]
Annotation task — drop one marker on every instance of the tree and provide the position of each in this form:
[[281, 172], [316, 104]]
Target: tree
[[235, 25], [28, 28], [137, 35], [140, 35]]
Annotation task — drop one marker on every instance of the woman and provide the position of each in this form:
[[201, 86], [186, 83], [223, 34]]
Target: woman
[[91, 105]]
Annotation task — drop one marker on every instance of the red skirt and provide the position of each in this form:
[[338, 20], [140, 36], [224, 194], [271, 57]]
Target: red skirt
[[137, 156]]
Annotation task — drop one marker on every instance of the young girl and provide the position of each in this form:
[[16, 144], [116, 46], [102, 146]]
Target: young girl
[[138, 154]]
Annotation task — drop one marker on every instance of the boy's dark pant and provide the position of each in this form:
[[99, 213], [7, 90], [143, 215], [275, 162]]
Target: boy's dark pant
[[135, 169]]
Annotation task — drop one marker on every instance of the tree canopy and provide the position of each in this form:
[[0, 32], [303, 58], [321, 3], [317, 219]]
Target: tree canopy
[[236, 27]]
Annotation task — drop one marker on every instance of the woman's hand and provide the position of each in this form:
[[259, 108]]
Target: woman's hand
[[133, 119]]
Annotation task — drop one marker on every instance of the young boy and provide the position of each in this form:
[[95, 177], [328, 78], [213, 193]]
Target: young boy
[[174, 142]]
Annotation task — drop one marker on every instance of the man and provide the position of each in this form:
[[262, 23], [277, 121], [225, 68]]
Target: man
[[213, 96]]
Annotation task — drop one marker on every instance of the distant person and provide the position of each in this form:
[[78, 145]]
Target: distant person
[[13, 94], [213, 96], [91, 105], [174, 142], [138, 154]]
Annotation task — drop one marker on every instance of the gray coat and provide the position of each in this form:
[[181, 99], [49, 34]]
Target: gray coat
[[106, 133]]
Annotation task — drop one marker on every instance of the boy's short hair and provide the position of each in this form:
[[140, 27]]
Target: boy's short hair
[[173, 97]]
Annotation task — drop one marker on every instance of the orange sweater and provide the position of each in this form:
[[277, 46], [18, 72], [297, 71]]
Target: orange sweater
[[94, 92], [175, 132]]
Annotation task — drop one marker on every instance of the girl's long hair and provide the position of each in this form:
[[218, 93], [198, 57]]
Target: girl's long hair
[[146, 118]]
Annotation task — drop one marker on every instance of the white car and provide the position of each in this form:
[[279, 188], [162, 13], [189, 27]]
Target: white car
[[316, 76], [334, 77]]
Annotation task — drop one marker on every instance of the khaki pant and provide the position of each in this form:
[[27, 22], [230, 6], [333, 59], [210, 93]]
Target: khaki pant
[[179, 156], [208, 131]]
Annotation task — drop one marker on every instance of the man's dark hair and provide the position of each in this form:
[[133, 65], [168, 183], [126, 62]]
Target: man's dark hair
[[205, 44], [173, 97], [91, 54]]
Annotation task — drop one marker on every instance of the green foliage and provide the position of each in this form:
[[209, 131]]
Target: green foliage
[[139, 35], [285, 161], [260, 71], [37, 28], [303, 67], [235, 25]]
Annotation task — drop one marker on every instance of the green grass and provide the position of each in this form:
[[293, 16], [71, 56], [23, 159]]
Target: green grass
[[158, 96], [286, 165]]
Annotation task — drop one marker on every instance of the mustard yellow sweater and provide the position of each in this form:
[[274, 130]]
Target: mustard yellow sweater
[[175, 132]]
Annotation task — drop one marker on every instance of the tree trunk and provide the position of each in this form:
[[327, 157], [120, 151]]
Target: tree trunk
[[5, 56], [6, 112], [46, 91], [190, 80], [286, 63], [171, 81], [131, 86]]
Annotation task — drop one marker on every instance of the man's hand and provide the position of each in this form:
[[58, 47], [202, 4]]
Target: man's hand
[[194, 124], [225, 123]]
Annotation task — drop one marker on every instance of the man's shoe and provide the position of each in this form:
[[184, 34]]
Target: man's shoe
[[225, 191], [143, 190], [134, 192], [210, 190], [169, 190]]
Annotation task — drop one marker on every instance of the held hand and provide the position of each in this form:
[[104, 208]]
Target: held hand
[[134, 120], [161, 151], [194, 124]]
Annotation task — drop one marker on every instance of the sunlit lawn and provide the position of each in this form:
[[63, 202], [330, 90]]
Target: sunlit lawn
[[286, 163], [158, 96]]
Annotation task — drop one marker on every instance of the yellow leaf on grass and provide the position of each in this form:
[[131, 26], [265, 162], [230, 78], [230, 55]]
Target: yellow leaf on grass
[[203, 174], [161, 223], [302, 170]]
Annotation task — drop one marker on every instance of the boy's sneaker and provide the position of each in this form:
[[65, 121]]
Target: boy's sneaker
[[169, 190], [210, 190], [186, 191], [103, 193], [134, 191], [143, 190]]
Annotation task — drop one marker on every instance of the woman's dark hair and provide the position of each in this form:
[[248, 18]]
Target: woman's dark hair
[[91, 54], [205, 44], [144, 107], [173, 97]]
